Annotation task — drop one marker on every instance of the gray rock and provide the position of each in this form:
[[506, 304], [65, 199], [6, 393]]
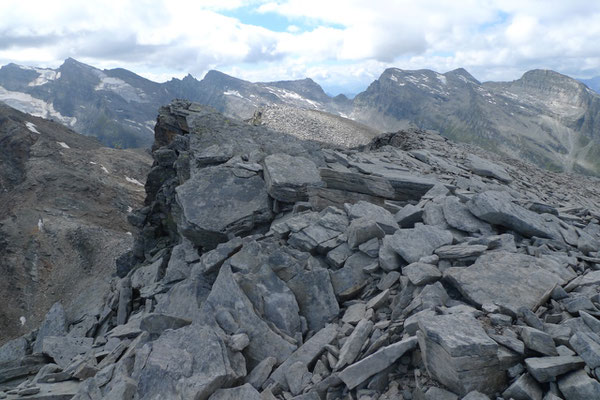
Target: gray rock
[[546, 369], [592, 322], [288, 177], [226, 295], [482, 167], [211, 261], [354, 313], [125, 297], [146, 275], [348, 281], [54, 324], [156, 324], [13, 350], [408, 216], [421, 241], [497, 208], [339, 255], [245, 392], [261, 372], [436, 393], [460, 251], [421, 274], [297, 377], [307, 353], [523, 281], [524, 388], [370, 247], [538, 341], [459, 354], [362, 370], [354, 343], [179, 266], [458, 216], [373, 212], [191, 362], [315, 296], [475, 395], [62, 349], [362, 230], [579, 386], [510, 342], [389, 260], [587, 345], [206, 220]]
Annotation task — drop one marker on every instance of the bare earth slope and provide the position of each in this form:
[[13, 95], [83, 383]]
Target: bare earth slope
[[63, 205]]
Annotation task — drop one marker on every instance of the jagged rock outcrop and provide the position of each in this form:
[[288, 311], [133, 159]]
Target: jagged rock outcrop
[[381, 280]]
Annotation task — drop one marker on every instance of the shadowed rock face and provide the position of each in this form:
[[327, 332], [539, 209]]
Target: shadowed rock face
[[63, 205], [232, 290]]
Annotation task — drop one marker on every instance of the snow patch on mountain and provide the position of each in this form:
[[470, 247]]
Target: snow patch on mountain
[[37, 107], [31, 126], [120, 87], [233, 93], [46, 75]]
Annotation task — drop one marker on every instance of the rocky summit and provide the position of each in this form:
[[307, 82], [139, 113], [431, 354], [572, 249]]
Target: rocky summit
[[266, 266]]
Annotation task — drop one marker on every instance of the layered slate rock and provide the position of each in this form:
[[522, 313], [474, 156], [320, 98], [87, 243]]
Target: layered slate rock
[[207, 218], [524, 283], [190, 363], [421, 241], [54, 325], [483, 167], [288, 177], [497, 208], [458, 353]]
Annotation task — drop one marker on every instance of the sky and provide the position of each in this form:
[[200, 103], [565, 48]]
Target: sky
[[341, 44]]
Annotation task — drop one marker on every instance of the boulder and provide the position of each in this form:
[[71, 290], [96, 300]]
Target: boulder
[[421, 241], [206, 220], [497, 208], [482, 167], [189, 363], [459, 354], [373, 212], [458, 216], [62, 349], [579, 386], [546, 369], [54, 324], [287, 177]]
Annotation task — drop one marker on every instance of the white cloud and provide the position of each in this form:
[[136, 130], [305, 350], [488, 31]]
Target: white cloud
[[337, 42]]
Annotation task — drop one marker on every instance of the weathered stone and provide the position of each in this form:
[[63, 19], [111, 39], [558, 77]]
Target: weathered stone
[[349, 280], [389, 260], [421, 274], [408, 216], [307, 353], [28, 365], [316, 298], [354, 313], [261, 372], [297, 377], [421, 241], [510, 342], [125, 297], [373, 212], [211, 261], [370, 247], [436, 393], [62, 349], [156, 324], [475, 395], [191, 362], [458, 216], [538, 341], [206, 220], [497, 208], [379, 300], [355, 342], [525, 388], [226, 295], [54, 324], [546, 369], [362, 230], [579, 386], [458, 353], [460, 251], [146, 275], [360, 371], [523, 281], [339, 255], [587, 345], [246, 392], [287, 177], [482, 167], [13, 350]]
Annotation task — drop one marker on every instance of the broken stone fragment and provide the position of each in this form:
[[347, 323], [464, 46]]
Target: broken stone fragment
[[288, 177]]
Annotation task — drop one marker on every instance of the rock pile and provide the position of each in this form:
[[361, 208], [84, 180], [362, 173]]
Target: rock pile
[[268, 268]]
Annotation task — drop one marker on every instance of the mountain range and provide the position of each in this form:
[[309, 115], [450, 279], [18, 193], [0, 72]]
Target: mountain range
[[543, 117]]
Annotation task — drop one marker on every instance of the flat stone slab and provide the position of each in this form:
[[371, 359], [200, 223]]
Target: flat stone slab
[[482, 167], [206, 220], [421, 241], [51, 391], [360, 371], [497, 208], [579, 386], [508, 280], [288, 177], [458, 353], [546, 369]]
